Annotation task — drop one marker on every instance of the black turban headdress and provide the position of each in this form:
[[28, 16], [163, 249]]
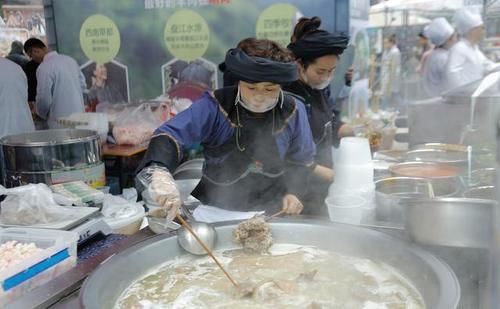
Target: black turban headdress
[[317, 44], [258, 69]]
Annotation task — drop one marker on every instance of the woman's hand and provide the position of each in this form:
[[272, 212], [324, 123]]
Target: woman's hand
[[292, 205]]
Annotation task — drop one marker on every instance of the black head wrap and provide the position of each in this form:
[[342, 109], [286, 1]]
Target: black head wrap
[[257, 69], [319, 43]]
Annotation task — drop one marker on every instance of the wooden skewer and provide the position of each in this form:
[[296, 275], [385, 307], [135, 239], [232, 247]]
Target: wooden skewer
[[209, 252], [279, 213]]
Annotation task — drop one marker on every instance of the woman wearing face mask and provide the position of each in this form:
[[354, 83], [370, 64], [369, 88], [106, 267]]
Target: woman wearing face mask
[[256, 139], [317, 52]]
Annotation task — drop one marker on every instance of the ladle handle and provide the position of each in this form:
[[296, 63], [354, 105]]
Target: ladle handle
[[209, 252]]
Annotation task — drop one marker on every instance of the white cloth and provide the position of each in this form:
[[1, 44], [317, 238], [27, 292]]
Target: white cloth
[[59, 89], [466, 20], [211, 214], [439, 31], [466, 64], [434, 72], [390, 71], [15, 115]]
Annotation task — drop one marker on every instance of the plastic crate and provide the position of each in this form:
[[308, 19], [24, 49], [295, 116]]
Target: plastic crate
[[58, 256]]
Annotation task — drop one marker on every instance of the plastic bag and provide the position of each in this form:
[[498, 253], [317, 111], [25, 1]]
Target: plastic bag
[[136, 127], [118, 207], [121, 215], [31, 205]]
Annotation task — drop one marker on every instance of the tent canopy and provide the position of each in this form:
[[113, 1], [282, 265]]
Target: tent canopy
[[429, 5], [395, 18]]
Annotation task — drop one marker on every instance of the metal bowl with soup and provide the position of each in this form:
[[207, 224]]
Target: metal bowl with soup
[[424, 170]]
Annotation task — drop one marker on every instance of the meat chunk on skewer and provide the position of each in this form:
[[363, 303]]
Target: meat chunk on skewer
[[254, 235]]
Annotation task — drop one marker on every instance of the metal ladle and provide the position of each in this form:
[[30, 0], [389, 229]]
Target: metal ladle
[[204, 231]]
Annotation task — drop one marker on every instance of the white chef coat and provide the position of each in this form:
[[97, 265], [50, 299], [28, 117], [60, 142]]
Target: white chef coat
[[390, 71], [15, 115], [59, 89], [466, 64], [434, 72]]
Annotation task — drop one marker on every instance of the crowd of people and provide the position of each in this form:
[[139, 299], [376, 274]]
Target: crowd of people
[[52, 87], [449, 57], [267, 135]]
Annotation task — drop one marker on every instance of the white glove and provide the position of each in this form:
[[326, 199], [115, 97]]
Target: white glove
[[163, 191]]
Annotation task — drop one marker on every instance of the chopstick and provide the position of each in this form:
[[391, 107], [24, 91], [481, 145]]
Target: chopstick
[[209, 252]]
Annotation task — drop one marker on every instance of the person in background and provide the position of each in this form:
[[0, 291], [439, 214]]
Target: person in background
[[16, 54], [425, 48], [256, 139], [316, 52], [466, 62], [15, 115], [30, 70], [390, 74], [59, 83], [443, 36]]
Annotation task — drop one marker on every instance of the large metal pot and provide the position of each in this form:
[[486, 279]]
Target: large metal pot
[[454, 222], [435, 281], [391, 193], [52, 156]]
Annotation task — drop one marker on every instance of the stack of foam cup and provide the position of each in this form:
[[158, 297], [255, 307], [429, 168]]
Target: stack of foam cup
[[354, 171]]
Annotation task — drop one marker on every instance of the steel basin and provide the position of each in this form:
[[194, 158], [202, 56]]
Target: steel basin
[[44, 156], [453, 222], [432, 277], [391, 193]]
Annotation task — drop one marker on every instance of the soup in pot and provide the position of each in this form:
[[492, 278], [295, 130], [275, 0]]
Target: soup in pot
[[289, 276]]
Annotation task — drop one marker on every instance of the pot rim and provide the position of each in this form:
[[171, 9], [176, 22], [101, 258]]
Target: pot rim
[[7, 140]]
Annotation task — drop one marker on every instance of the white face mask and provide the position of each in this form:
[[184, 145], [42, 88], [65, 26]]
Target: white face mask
[[257, 106], [323, 85], [320, 86]]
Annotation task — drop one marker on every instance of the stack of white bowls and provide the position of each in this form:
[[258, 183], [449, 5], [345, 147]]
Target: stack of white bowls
[[353, 177]]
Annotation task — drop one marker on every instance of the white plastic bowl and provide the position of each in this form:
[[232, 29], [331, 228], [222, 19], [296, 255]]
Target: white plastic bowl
[[345, 208]]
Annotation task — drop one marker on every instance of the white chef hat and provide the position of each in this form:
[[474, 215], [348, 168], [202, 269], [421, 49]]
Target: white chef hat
[[439, 31], [466, 19]]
